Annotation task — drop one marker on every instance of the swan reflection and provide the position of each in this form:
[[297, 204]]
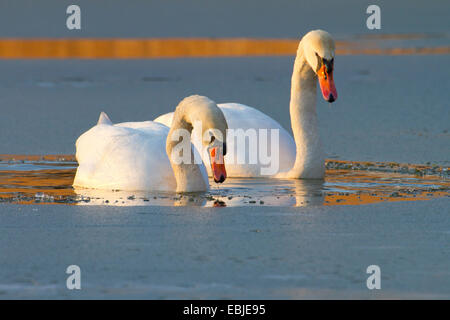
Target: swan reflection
[[233, 193]]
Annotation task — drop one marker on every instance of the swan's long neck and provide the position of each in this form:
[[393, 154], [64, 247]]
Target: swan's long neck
[[309, 161], [188, 174]]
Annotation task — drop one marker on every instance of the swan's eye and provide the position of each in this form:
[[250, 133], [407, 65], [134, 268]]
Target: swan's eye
[[212, 139]]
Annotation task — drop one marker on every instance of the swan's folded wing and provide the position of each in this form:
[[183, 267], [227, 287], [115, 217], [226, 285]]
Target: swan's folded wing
[[242, 117], [122, 157]]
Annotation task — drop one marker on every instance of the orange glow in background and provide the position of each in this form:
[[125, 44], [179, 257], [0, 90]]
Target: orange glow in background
[[143, 48]]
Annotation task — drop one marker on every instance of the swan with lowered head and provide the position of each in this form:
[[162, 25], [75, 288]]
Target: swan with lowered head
[[301, 156], [141, 155]]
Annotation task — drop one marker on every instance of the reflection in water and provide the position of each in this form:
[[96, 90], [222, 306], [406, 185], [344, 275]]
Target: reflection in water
[[48, 180], [236, 192]]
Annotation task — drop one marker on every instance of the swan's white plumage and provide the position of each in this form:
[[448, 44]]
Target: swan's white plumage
[[243, 117], [125, 156]]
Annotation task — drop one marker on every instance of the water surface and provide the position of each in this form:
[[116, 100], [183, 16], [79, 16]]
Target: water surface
[[48, 179]]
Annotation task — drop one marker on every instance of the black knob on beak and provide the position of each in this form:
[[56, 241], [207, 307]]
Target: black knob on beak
[[221, 179]]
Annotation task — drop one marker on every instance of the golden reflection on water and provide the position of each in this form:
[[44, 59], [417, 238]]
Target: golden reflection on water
[[382, 186], [142, 48], [48, 180]]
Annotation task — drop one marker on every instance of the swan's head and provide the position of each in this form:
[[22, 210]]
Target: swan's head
[[318, 49], [205, 112]]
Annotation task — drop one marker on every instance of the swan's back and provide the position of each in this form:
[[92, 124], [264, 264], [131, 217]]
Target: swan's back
[[243, 117], [124, 156]]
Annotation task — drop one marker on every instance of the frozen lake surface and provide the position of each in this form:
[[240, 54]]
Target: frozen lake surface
[[259, 252], [390, 108]]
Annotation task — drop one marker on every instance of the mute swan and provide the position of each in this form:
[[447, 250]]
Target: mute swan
[[135, 155], [302, 157]]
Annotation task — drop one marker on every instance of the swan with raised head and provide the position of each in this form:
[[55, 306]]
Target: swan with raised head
[[141, 155], [298, 157]]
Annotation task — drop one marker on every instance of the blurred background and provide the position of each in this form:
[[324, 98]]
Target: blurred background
[[214, 18]]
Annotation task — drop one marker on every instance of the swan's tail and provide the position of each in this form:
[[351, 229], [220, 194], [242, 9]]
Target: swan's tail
[[104, 119]]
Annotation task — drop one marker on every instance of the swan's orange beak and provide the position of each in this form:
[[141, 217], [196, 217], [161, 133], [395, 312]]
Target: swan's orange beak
[[327, 84], [217, 165]]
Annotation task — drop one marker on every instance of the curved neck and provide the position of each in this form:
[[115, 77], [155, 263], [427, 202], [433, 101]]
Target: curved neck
[[188, 174], [309, 160]]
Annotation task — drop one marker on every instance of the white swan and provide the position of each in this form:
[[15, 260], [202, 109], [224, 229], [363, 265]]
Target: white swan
[[299, 158], [135, 155]]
